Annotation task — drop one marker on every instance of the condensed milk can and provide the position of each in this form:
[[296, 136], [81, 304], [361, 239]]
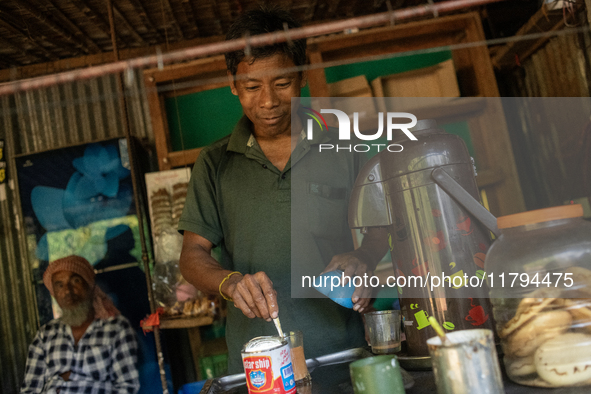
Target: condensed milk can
[[267, 365]]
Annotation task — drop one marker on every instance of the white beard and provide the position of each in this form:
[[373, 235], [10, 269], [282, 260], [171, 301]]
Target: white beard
[[78, 314]]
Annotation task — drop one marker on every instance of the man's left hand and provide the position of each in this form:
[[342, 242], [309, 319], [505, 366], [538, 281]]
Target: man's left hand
[[352, 266]]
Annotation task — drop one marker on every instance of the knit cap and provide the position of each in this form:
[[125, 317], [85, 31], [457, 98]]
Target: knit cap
[[103, 306]]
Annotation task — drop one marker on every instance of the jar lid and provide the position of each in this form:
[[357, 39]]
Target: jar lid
[[540, 215]]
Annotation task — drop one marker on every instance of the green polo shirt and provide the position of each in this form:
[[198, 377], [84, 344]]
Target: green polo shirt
[[240, 201]]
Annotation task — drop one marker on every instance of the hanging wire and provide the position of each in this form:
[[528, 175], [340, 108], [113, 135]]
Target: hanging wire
[[431, 6], [391, 11], [327, 64], [335, 63], [247, 47], [238, 44], [286, 30]]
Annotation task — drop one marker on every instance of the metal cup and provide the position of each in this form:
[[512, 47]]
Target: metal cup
[[377, 375], [467, 363], [384, 331], [298, 360]]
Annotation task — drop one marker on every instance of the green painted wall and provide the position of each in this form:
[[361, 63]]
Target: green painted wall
[[203, 117], [207, 116], [378, 68]]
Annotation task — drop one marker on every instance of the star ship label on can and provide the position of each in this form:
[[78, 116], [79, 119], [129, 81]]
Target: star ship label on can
[[259, 372], [269, 371]]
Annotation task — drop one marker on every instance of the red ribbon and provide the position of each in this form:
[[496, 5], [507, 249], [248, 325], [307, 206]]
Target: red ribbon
[[151, 321]]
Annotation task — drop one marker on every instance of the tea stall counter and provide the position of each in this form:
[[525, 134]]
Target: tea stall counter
[[331, 376]]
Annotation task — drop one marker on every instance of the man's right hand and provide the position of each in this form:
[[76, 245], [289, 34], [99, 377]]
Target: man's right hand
[[254, 295]]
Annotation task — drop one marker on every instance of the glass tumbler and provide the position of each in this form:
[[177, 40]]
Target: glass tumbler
[[384, 331], [298, 360]]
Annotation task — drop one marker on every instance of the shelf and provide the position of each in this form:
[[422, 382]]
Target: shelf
[[185, 322], [183, 158], [448, 111], [489, 177]]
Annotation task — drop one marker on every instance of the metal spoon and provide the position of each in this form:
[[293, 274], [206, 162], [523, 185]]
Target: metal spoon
[[278, 326]]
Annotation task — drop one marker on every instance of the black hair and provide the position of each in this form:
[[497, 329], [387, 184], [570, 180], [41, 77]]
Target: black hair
[[261, 20]]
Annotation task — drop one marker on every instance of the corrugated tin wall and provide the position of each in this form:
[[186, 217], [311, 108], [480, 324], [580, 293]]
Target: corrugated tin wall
[[31, 122], [550, 153], [77, 113], [559, 69], [17, 318]]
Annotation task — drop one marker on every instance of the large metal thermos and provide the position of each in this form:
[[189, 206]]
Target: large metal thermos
[[430, 233]]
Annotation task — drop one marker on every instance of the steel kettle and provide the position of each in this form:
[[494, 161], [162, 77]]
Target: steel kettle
[[427, 197]]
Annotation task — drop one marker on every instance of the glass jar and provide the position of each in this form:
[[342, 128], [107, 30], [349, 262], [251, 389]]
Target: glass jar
[[539, 274]]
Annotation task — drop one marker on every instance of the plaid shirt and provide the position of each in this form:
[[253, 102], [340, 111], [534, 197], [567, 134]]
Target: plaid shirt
[[103, 361]]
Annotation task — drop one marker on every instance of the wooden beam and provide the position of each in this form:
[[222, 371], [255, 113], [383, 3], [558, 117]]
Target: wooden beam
[[504, 197], [143, 14], [390, 48], [96, 18], [159, 123], [166, 323], [319, 9], [193, 68], [479, 55], [444, 25], [128, 25], [316, 76], [8, 60], [490, 177], [194, 9], [214, 10], [5, 42], [36, 70], [51, 7], [311, 10], [4, 21], [93, 17], [183, 158], [195, 88], [4, 62], [377, 4], [333, 6], [48, 21], [181, 17], [541, 21], [174, 22], [194, 31]]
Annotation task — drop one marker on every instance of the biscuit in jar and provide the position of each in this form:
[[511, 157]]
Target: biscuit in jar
[[528, 308], [565, 360], [520, 366], [544, 326], [580, 310]]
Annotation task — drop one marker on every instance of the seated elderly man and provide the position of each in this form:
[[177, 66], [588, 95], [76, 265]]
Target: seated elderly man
[[91, 348]]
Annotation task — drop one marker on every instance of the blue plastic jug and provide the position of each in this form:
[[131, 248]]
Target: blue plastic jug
[[342, 294]]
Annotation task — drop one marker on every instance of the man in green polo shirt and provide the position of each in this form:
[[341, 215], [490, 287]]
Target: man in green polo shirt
[[240, 198]]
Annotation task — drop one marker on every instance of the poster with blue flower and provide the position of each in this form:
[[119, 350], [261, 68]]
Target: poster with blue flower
[[78, 200]]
